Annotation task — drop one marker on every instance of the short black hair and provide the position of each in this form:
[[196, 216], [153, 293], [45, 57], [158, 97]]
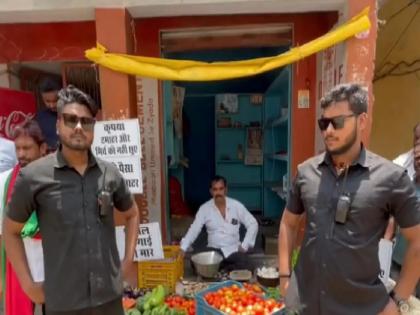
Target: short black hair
[[70, 95], [218, 178], [49, 84], [354, 93], [31, 129]]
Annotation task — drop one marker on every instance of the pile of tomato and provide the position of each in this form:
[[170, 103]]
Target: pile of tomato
[[255, 288], [179, 303], [234, 300]]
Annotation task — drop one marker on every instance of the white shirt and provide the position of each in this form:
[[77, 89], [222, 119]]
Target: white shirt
[[406, 160], [7, 154], [3, 180], [223, 233]]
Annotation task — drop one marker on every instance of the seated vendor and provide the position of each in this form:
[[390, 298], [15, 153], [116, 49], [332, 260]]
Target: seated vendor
[[222, 217]]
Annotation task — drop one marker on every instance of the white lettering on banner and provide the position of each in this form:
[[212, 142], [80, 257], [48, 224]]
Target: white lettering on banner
[[148, 111], [118, 142], [15, 118], [148, 245]]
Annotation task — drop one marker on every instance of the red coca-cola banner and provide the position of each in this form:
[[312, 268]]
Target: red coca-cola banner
[[16, 107]]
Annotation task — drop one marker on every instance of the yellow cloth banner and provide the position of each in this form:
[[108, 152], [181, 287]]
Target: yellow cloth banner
[[187, 70]]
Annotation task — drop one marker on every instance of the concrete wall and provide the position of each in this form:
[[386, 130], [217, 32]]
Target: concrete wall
[[397, 98]]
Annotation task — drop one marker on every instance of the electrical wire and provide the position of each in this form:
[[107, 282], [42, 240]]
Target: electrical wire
[[396, 70], [389, 19], [398, 40]]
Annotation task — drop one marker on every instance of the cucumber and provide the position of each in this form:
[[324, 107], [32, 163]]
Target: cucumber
[[142, 301], [158, 297]]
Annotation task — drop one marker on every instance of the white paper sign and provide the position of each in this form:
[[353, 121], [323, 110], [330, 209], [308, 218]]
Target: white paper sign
[[35, 257], [149, 242], [118, 142], [385, 259], [130, 168]]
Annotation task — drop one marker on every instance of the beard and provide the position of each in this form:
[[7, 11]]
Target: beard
[[23, 163], [348, 143], [76, 142]]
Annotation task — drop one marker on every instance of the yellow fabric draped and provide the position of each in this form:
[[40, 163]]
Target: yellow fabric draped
[[187, 70]]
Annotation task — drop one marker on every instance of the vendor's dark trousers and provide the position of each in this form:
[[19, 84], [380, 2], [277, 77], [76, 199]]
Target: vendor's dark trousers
[[233, 262], [110, 308]]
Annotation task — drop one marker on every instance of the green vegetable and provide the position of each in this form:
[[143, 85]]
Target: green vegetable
[[155, 311], [295, 256], [147, 312], [133, 311], [158, 297], [140, 303], [148, 303], [273, 293], [163, 309]]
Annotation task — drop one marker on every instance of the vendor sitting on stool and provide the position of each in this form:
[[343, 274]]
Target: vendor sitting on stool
[[223, 217]]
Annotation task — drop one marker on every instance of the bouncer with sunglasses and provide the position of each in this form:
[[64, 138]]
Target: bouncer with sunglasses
[[74, 194], [347, 193]]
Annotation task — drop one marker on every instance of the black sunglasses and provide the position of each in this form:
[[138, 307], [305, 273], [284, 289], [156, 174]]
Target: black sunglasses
[[337, 122], [71, 121]]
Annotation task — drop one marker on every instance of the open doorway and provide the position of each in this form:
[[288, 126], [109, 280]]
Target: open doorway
[[239, 129], [27, 76]]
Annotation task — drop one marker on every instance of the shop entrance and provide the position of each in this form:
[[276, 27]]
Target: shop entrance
[[239, 129]]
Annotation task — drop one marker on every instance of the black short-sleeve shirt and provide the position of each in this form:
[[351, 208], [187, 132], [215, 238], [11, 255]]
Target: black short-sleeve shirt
[[338, 268], [82, 266]]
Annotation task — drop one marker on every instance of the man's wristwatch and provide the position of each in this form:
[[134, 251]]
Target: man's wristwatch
[[403, 306]]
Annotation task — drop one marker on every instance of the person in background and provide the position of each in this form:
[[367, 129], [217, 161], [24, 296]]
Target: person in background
[[30, 146], [348, 194], [74, 195], [7, 154], [223, 217], [411, 162], [47, 118], [406, 159]]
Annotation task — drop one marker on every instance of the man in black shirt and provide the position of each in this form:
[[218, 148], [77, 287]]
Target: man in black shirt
[[348, 195], [74, 195]]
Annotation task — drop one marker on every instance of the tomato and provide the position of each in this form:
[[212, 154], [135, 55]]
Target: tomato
[[235, 300], [187, 305]]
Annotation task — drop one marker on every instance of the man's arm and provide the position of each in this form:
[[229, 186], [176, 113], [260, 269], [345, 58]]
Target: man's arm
[[287, 237], [193, 231], [18, 210], [390, 229], [406, 211], [251, 225], [131, 217], [410, 271], [16, 255]]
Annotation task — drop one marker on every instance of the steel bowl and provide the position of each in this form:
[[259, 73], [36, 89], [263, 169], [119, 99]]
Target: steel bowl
[[207, 263], [268, 282]]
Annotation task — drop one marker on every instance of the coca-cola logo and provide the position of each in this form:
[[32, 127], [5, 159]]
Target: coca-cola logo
[[9, 123]]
